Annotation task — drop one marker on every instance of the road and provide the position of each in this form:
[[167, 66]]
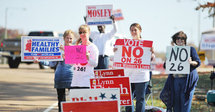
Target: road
[[26, 89]]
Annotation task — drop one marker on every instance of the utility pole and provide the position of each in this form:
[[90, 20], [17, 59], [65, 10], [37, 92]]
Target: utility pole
[[6, 17]]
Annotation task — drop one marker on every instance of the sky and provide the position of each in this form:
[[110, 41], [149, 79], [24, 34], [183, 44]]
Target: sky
[[160, 19]]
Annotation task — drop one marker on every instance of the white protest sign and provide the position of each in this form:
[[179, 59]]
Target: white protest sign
[[95, 95], [177, 60], [134, 54], [115, 82], [99, 14], [208, 42], [41, 48]]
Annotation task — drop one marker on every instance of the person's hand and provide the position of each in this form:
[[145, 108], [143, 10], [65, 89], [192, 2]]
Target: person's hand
[[113, 18], [63, 55], [172, 43], [194, 63], [152, 57], [115, 49], [36, 60], [62, 47], [152, 50], [85, 19], [88, 55], [190, 60]]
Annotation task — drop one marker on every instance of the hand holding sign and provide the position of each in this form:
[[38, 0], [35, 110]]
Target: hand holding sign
[[88, 55], [113, 18], [62, 47]]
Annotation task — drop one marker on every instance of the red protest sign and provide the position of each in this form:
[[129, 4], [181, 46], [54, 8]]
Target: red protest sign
[[132, 54], [115, 82], [109, 72], [97, 106]]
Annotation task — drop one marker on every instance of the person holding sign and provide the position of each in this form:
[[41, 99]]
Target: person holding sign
[[139, 78], [101, 40], [178, 91], [84, 71], [63, 72]]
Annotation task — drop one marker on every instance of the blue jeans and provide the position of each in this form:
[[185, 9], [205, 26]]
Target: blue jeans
[[179, 96], [138, 91], [103, 62]]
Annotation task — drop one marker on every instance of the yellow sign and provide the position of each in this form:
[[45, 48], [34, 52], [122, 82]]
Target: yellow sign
[[201, 55]]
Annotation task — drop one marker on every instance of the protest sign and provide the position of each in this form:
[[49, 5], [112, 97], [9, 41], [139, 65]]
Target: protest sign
[[75, 54], [122, 83], [118, 15], [132, 53], [109, 72], [100, 98], [78, 95], [177, 60], [96, 106], [99, 14], [41, 48], [208, 42]]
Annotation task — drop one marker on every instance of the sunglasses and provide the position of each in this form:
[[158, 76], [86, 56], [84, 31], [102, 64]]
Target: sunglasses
[[182, 38], [84, 32]]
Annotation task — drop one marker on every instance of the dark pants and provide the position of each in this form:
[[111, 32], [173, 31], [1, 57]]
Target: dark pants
[[61, 95], [138, 91], [103, 62], [180, 104]]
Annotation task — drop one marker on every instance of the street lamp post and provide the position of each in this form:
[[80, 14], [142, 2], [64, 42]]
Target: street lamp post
[[6, 11], [5, 30]]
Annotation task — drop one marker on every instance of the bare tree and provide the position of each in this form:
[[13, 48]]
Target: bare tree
[[208, 5]]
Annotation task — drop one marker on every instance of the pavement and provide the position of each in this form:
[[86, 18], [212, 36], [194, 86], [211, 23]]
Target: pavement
[[27, 89]]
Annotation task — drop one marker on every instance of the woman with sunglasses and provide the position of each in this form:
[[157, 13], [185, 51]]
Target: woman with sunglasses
[[84, 71], [178, 91]]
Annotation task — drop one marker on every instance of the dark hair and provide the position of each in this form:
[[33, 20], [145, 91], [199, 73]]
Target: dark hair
[[101, 26], [136, 25], [180, 34]]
